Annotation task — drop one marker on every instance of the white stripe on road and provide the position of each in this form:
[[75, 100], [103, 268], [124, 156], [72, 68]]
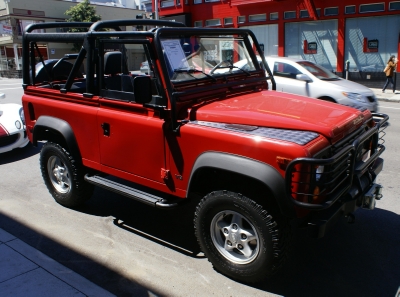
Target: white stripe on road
[[11, 88], [380, 106]]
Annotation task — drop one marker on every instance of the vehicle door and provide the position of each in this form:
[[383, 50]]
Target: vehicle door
[[285, 78], [130, 135]]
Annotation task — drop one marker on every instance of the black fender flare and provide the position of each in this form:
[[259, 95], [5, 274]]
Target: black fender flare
[[62, 127], [262, 172]]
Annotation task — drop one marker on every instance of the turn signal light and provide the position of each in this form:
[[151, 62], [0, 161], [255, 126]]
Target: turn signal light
[[283, 162], [371, 124]]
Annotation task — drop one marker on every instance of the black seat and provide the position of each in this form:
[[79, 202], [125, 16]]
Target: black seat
[[115, 79]]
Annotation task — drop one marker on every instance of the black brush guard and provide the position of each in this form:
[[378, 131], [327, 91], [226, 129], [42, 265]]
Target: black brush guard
[[345, 176]]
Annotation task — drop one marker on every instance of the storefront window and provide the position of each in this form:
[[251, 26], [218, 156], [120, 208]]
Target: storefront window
[[167, 3], [289, 15], [350, 9], [257, 17], [304, 14], [372, 7], [228, 21], [215, 22], [241, 19], [22, 24], [394, 6], [331, 11], [273, 16]]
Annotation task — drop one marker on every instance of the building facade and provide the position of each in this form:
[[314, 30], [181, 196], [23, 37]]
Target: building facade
[[15, 15], [358, 34]]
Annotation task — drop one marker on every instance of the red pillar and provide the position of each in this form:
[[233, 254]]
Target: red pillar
[[281, 39], [340, 45], [398, 52]]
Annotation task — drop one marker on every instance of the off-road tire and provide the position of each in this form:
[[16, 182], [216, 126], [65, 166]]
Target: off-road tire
[[220, 214], [63, 176]]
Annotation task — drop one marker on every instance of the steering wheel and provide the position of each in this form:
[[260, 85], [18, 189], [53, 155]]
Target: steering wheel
[[219, 65]]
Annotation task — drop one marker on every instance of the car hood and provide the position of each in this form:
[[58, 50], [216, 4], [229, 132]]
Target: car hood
[[349, 86], [285, 111]]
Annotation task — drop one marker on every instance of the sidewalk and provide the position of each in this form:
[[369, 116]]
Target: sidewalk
[[388, 96], [24, 271]]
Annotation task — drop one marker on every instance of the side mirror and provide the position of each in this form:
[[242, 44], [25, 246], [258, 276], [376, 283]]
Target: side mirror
[[304, 77], [142, 89], [2, 95]]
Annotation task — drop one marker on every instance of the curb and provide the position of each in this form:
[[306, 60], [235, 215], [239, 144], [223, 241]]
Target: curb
[[388, 100]]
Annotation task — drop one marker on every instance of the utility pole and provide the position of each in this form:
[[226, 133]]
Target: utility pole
[[156, 8]]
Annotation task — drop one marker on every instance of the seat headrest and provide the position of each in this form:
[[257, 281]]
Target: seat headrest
[[112, 62]]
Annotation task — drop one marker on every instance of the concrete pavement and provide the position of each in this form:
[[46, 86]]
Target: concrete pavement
[[24, 272], [388, 96]]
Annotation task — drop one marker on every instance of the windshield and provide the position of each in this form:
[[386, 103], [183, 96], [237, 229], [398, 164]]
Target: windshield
[[196, 57], [318, 71]]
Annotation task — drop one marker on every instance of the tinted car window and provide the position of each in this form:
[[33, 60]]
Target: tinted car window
[[318, 71], [285, 70]]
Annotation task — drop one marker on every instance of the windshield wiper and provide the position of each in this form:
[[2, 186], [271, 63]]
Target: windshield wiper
[[230, 66], [190, 71]]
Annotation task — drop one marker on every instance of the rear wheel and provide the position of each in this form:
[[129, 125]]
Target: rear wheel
[[239, 237], [63, 176]]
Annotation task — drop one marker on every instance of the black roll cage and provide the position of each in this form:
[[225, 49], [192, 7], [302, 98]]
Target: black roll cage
[[98, 32]]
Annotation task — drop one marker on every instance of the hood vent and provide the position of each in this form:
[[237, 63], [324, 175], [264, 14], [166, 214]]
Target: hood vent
[[295, 136]]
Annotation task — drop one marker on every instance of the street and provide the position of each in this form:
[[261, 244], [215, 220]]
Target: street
[[131, 249]]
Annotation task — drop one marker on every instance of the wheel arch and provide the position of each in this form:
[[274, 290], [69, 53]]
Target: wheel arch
[[58, 131], [249, 171], [327, 98]]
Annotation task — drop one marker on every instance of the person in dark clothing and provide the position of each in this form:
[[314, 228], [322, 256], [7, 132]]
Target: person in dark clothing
[[389, 70]]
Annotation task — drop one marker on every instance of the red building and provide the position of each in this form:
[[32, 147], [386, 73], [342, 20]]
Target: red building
[[363, 32]]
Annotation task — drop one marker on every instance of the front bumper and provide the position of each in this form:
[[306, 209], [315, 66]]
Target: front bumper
[[345, 183], [319, 222], [13, 141]]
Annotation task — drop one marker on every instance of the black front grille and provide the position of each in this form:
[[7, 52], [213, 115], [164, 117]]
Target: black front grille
[[9, 139], [371, 98]]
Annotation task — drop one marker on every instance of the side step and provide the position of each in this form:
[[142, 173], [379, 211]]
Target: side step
[[129, 192]]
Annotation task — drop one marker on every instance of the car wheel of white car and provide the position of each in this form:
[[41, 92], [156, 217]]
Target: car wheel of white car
[[239, 237], [62, 176]]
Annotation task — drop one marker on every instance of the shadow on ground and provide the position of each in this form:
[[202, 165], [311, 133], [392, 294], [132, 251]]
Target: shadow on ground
[[20, 153], [99, 274], [361, 259], [172, 228]]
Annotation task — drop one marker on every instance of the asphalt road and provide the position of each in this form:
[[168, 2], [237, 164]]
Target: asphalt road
[[134, 250]]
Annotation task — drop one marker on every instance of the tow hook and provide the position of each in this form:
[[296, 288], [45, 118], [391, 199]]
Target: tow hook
[[374, 193], [350, 218]]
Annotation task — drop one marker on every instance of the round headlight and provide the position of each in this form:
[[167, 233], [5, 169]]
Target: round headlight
[[318, 172], [18, 124]]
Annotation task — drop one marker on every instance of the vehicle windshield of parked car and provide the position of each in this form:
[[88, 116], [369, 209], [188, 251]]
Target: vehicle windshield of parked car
[[199, 57], [318, 71]]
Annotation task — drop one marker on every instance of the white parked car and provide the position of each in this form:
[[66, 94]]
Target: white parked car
[[12, 127], [306, 78]]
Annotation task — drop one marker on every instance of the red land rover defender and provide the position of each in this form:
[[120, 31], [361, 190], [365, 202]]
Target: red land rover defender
[[194, 126]]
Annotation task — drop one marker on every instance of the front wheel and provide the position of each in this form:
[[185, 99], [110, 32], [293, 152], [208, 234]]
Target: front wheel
[[239, 237], [63, 176]]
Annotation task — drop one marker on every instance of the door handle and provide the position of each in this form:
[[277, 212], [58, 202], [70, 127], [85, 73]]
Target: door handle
[[106, 129]]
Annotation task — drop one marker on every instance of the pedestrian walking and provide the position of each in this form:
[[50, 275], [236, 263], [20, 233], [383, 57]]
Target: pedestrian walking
[[389, 70]]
